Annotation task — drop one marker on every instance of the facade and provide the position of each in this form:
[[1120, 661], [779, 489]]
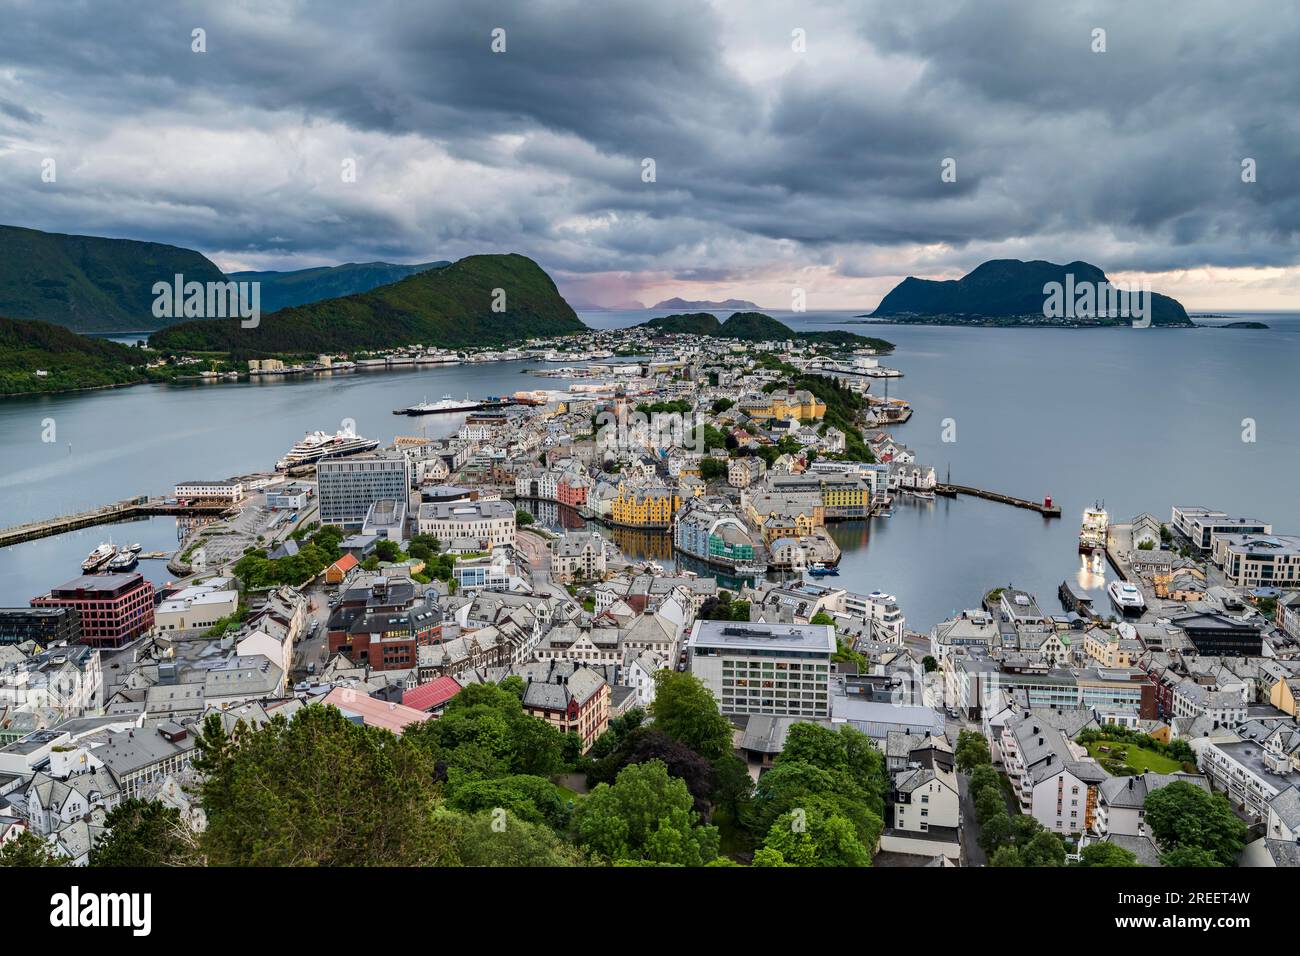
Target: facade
[[489, 523], [1050, 775], [578, 557], [196, 606], [1220, 634], [347, 487], [1198, 526], [114, 608], [644, 507], [1259, 560], [572, 698], [778, 669], [42, 625], [223, 491]]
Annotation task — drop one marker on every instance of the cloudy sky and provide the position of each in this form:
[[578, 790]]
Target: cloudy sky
[[794, 144]]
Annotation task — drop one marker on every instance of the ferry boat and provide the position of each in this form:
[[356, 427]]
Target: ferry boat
[[449, 405], [1127, 598], [819, 570], [98, 558], [751, 570], [316, 446], [1092, 533], [124, 560]]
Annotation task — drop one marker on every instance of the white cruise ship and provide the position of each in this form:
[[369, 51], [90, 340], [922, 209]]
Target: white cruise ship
[[1092, 532], [1127, 598], [317, 445]]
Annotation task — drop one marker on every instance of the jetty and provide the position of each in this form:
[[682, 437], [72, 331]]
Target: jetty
[[142, 507], [1046, 507]]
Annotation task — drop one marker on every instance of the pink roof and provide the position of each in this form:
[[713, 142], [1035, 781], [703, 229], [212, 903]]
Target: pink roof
[[433, 694], [373, 712]]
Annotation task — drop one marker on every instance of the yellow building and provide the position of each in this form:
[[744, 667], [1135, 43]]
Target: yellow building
[[1108, 649], [642, 507], [793, 403], [1283, 695]]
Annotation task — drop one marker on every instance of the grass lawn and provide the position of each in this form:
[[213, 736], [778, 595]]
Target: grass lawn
[[1140, 759]]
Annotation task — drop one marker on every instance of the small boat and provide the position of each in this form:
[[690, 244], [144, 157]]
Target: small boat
[[124, 560], [924, 495], [819, 570], [751, 570], [134, 548], [97, 558], [884, 514]]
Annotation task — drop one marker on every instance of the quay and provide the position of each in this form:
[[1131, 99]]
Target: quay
[[1045, 507], [1119, 544], [141, 507]]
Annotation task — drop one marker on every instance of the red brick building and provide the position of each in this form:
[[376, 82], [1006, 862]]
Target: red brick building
[[572, 490], [115, 608]]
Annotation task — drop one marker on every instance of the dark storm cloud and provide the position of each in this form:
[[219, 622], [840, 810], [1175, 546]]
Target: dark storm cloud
[[831, 157]]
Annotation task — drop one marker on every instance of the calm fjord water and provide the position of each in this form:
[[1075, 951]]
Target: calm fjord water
[[1142, 418]]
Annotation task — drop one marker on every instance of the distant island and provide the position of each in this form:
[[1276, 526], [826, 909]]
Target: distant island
[[757, 327], [1010, 292], [1241, 325], [698, 304]]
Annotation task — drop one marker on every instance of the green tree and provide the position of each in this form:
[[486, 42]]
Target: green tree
[[645, 815], [821, 617], [527, 798], [1188, 856], [28, 849], [289, 792], [995, 832], [813, 838], [1106, 854], [1183, 816], [683, 708], [972, 750], [930, 664], [523, 518], [143, 833], [1006, 856], [499, 838], [1044, 849]]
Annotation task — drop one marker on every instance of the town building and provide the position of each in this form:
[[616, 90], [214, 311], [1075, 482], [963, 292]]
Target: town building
[[488, 524], [114, 608], [347, 487], [778, 669]]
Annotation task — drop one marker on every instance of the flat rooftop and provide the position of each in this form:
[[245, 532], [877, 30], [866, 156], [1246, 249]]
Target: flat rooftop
[[742, 636]]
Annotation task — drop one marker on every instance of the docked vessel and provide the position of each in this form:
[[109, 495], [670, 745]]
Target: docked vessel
[[751, 570], [1126, 598], [134, 548], [124, 560], [448, 405], [1092, 533], [316, 446], [820, 570], [98, 558]]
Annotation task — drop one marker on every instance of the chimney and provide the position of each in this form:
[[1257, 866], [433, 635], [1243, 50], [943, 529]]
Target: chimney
[[1130, 783], [1040, 740]]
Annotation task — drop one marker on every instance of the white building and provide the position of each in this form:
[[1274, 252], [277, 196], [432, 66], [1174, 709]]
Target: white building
[[778, 669], [200, 605], [231, 491], [491, 523]]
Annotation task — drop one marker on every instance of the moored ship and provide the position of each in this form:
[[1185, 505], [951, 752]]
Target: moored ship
[[1126, 598], [316, 446], [98, 558], [449, 405], [1092, 533]]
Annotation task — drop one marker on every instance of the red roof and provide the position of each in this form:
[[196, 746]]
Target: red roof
[[345, 563], [374, 713], [433, 694]]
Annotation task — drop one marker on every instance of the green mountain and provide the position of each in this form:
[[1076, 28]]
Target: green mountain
[[449, 307], [757, 327], [676, 303], [68, 360], [283, 289], [1007, 289], [89, 283], [689, 323]]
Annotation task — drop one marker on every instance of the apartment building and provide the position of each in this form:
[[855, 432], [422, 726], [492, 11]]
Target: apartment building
[[347, 487], [491, 524], [114, 608], [778, 669]]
